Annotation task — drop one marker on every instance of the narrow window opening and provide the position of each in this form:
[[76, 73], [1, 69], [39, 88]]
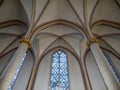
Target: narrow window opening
[[108, 59], [16, 73], [59, 72]]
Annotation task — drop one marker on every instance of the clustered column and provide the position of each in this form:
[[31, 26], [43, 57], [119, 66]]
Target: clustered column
[[109, 79], [33, 77], [13, 65]]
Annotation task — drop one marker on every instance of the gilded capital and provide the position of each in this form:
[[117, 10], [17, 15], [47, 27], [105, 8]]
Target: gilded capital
[[92, 40], [26, 41]]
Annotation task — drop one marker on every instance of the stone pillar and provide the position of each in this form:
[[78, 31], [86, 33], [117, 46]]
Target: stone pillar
[[35, 69], [32, 78], [109, 79], [14, 63], [87, 84]]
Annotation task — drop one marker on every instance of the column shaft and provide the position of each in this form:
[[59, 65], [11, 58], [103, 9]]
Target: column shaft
[[88, 84], [32, 78], [12, 67], [105, 71]]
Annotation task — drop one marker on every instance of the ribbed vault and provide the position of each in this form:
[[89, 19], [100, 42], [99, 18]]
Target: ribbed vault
[[64, 23]]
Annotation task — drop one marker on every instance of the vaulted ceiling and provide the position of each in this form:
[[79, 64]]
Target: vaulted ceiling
[[54, 21]]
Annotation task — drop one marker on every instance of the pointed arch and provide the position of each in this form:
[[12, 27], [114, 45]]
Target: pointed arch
[[59, 71]]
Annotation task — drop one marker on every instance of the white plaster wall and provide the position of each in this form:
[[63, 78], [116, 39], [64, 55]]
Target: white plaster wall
[[115, 44], [103, 30], [45, 41], [15, 29], [24, 74], [34, 46], [56, 9], [61, 43], [27, 4], [104, 45], [6, 38], [70, 36], [43, 76], [12, 10], [115, 61], [14, 45], [90, 6], [108, 10], [8, 10], [60, 30], [94, 74], [83, 47], [74, 42], [75, 76], [65, 11], [78, 5], [4, 62], [40, 4]]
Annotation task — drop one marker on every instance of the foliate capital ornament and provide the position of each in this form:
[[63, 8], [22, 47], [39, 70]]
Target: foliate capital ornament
[[92, 40], [26, 41]]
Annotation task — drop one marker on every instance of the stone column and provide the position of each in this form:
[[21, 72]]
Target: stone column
[[109, 79], [14, 63], [87, 84], [32, 78], [35, 68]]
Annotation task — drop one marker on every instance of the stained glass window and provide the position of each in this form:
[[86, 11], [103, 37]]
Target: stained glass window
[[108, 59], [59, 72], [16, 73]]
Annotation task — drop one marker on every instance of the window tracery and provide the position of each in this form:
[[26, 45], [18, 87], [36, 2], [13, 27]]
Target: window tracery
[[16, 73], [108, 59], [59, 72]]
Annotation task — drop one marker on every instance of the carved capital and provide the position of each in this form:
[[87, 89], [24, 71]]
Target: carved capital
[[92, 40], [26, 41]]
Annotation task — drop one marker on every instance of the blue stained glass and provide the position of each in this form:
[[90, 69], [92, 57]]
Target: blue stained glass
[[59, 73], [108, 59], [16, 73]]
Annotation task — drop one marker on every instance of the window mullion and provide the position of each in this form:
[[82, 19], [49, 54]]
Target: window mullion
[[59, 72]]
